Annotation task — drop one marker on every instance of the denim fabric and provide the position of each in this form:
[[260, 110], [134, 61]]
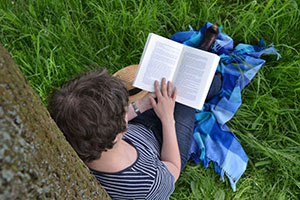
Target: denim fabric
[[214, 88], [184, 123]]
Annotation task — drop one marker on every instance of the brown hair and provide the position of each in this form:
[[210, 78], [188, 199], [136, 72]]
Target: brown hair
[[90, 111]]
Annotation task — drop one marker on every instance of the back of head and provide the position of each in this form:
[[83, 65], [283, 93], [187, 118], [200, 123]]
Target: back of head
[[90, 111]]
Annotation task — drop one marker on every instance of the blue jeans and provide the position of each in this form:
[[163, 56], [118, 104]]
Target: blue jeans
[[184, 123]]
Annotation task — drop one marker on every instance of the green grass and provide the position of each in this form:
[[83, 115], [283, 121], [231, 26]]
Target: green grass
[[52, 40]]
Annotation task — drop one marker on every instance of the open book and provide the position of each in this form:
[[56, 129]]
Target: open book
[[189, 69]]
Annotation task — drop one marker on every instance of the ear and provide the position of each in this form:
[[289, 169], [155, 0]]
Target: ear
[[118, 137], [126, 117]]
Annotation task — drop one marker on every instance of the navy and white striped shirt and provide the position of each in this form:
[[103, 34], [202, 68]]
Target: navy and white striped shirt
[[147, 178]]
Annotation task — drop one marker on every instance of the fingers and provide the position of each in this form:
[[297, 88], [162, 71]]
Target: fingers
[[169, 88], [157, 90], [164, 88], [174, 95], [152, 101], [152, 94]]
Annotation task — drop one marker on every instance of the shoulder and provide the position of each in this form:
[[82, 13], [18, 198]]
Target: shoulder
[[164, 184], [142, 138]]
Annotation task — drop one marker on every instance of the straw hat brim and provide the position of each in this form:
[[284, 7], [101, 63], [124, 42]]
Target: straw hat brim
[[127, 74]]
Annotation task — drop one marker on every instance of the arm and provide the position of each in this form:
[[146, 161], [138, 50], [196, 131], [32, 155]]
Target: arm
[[143, 105], [164, 109]]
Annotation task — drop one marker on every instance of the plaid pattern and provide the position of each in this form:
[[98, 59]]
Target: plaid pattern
[[212, 140]]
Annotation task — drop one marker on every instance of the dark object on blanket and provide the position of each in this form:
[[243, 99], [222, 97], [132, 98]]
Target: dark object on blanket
[[210, 37]]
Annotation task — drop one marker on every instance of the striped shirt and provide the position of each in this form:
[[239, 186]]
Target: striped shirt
[[147, 178]]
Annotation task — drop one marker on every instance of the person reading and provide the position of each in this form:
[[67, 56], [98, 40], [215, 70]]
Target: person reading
[[134, 153]]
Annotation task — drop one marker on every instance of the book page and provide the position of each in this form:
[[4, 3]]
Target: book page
[[194, 76], [159, 60]]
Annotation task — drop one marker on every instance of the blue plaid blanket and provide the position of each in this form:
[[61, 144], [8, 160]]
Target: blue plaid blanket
[[212, 140]]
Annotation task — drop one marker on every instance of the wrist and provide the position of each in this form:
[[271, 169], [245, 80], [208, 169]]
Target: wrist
[[168, 121], [140, 106]]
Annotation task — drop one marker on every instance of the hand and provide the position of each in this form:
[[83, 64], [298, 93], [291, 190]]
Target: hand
[[144, 103], [164, 107]]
